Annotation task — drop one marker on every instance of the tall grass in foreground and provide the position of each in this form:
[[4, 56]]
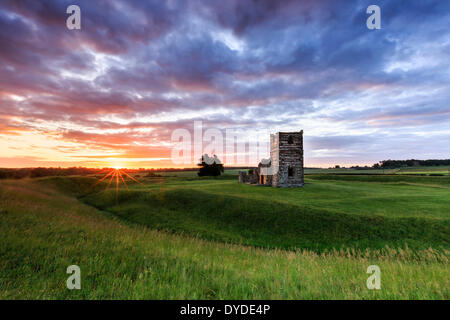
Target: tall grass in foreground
[[42, 231]]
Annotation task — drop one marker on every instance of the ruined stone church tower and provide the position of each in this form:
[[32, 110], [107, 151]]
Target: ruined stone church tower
[[286, 154], [285, 166]]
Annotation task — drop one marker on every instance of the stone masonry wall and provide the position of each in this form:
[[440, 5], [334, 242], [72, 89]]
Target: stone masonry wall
[[286, 159], [287, 154]]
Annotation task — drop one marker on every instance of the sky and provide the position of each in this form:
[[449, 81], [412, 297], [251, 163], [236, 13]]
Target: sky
[[112, 93]]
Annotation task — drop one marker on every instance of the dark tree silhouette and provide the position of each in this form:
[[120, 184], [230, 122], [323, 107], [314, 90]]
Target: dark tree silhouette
[[210, 166], [390, 164]]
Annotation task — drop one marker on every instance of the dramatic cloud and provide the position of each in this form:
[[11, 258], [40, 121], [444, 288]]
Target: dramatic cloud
[[115, 90]]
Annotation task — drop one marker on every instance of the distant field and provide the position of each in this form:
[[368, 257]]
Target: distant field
[[188, 237], [419, 170], [348, 171], [192, 174], [444, 170]]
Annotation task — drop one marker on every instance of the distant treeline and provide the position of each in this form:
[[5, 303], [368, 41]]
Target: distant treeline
[[7, 173], [19, 173], [12, 173], [390, 164]]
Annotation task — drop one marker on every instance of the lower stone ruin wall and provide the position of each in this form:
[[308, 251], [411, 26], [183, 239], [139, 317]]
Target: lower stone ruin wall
[[248, 178]]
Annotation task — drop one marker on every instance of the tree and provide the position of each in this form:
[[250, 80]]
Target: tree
[[210, 166]]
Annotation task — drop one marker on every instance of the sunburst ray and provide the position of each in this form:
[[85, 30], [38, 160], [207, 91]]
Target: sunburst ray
[[119, 176]]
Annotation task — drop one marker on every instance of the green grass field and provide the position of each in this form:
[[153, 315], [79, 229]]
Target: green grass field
[[179, 237]]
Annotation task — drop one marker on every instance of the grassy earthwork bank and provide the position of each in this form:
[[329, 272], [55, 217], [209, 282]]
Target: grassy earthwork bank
[[176, 237]]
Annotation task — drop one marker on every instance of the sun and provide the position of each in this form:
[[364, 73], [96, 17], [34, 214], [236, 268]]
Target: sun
[[117, 165], [118, 175]]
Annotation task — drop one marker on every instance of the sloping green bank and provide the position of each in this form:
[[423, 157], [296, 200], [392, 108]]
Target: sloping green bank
[[424, 180], [44, 230], [267, 223]]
